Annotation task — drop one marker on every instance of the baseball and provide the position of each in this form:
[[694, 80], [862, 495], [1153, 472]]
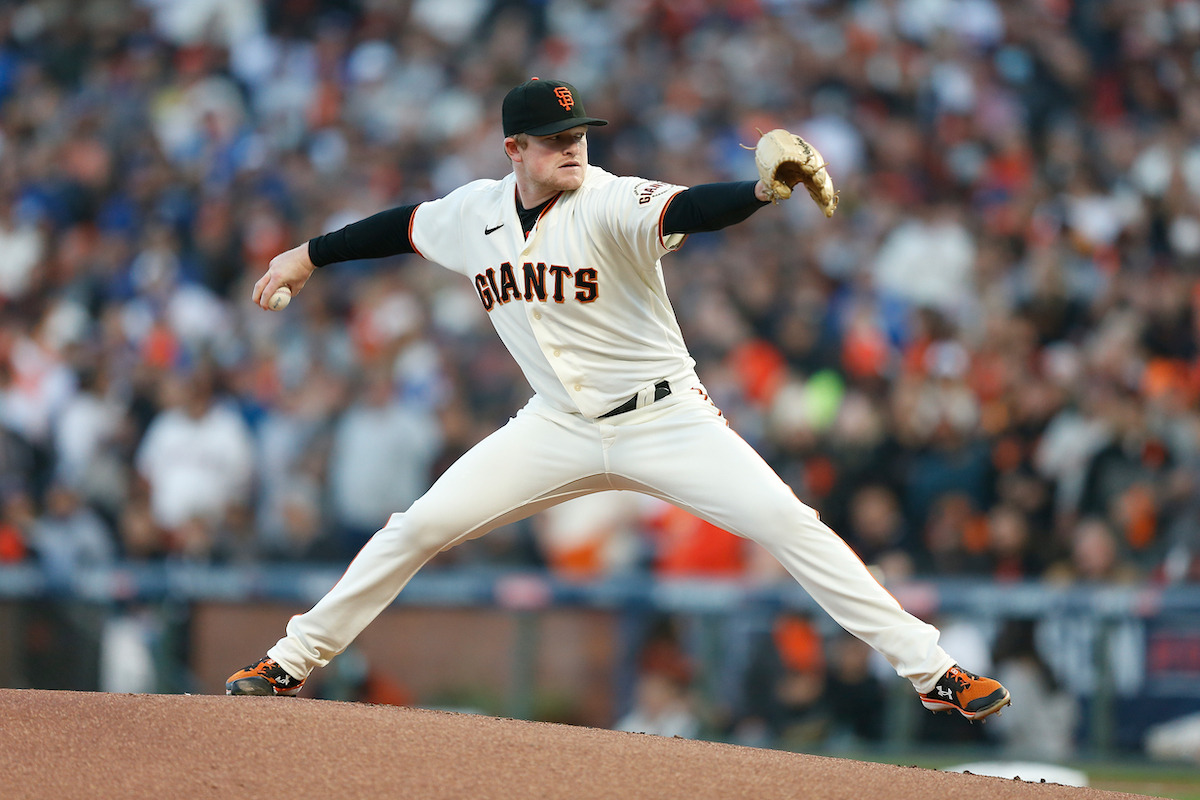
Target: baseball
[[281, 298]]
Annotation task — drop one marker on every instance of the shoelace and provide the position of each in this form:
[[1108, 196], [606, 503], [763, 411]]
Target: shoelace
[[266, 669], [960, 679]]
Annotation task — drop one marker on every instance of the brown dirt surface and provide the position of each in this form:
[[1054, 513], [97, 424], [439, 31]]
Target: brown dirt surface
[[89, 745]]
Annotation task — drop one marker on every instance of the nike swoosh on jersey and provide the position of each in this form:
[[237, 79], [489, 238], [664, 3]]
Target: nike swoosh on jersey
[[490, 231]]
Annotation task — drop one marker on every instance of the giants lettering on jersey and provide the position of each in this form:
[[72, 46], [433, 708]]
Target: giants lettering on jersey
[[646, 191], [501, 286]]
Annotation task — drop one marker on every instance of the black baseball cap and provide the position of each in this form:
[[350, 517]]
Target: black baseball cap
[[542, 108]]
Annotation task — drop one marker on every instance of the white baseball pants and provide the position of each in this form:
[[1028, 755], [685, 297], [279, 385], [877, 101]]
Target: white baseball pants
[[679, 449]]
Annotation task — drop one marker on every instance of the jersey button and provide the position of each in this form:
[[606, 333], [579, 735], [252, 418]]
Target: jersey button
[[537, 315], [578, 388], [557, 352]]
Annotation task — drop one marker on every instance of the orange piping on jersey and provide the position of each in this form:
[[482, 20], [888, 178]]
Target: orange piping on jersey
[[549, 206], [411, 220], [662, 216]]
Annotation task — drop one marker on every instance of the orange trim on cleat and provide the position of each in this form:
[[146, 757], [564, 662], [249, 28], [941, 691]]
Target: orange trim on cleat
[[971, 695], [264, 678]]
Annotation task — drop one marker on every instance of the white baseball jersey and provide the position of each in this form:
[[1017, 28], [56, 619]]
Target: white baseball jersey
[[581, 302]]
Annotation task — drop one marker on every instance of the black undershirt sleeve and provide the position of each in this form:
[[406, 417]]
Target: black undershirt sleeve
[[710, 207], [380, 235]]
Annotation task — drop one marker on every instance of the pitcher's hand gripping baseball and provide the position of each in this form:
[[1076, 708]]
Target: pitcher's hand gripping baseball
[[285, 276], [784, 160]]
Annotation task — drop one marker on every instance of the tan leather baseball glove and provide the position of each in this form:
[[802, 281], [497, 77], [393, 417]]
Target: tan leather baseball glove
[[784, 159]]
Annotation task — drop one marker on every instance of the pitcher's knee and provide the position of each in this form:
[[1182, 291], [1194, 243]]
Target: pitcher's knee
[[783, 520], [413, 531]]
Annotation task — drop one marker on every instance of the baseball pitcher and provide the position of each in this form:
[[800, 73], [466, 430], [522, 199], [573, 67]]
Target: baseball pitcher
[[565, 259]]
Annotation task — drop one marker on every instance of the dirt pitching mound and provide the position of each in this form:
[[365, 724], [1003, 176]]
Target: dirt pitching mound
[[83, 745]]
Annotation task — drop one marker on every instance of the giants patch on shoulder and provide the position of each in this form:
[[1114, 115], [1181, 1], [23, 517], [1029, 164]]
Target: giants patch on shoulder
[[647, 190]]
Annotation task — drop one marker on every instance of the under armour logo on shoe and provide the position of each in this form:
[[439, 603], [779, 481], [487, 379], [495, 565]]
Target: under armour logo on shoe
[[284, 679], [944, 692]]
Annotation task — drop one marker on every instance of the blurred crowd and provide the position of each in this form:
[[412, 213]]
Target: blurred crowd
[[985, 364], [801, 689]]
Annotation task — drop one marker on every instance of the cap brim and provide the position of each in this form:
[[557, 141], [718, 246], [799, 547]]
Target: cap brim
[[564, 125]]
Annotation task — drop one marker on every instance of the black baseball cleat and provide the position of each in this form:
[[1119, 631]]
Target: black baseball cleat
[[264, 678], [971, 695]]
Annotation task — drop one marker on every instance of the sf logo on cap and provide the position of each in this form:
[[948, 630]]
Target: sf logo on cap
[[564, 97]]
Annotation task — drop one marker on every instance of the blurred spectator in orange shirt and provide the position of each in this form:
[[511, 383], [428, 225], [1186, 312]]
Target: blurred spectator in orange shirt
[[685, 545], [15, 521], [591, 536], [785, 685]]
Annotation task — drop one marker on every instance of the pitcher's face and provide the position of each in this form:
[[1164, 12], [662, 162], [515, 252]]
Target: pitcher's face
[[554, 163]]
